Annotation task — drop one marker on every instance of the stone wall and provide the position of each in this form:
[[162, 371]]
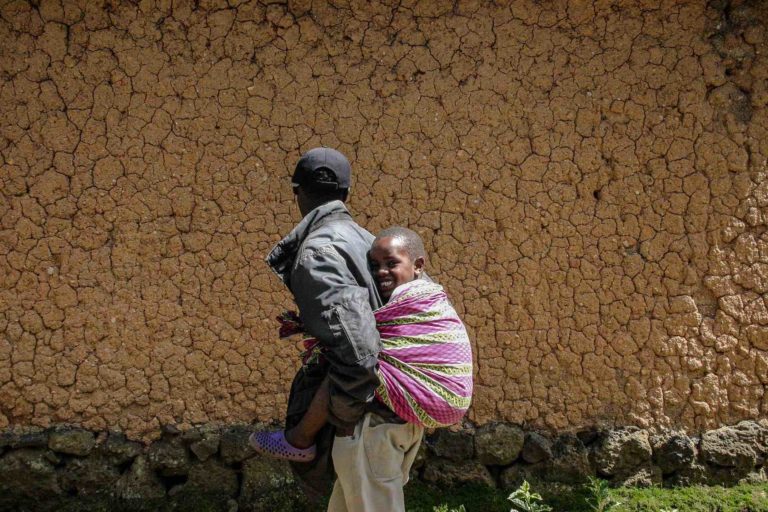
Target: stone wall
[[214, 469], [590, 181]]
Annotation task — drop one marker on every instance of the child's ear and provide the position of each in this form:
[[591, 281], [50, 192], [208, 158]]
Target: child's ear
[[418, 263]]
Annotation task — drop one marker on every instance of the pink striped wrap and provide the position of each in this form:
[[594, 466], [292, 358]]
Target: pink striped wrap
[[425, 365]]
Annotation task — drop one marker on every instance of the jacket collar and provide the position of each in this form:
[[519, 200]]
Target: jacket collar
[[283, 254]]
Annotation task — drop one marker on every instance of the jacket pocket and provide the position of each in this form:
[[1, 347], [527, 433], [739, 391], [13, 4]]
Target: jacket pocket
[[354, 333]]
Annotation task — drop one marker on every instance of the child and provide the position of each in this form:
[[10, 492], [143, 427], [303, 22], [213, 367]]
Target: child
[[425, 365]]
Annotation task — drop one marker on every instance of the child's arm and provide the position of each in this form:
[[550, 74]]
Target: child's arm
[[303, 434]]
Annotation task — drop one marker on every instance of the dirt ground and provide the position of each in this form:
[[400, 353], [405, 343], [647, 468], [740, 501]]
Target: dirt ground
[[590, 181]]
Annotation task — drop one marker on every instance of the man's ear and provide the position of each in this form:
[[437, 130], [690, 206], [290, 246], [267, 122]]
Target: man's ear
[[418, 263]]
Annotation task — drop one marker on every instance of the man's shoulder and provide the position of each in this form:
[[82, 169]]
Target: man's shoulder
[[340, 236], [339, 250]]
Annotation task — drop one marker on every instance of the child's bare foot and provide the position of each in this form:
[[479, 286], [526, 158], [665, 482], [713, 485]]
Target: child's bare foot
[[275, 445]]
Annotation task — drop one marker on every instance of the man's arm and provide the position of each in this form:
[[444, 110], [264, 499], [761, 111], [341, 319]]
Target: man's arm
[[337, 311]]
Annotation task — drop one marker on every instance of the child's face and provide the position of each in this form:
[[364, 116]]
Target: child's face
[[392, 266]]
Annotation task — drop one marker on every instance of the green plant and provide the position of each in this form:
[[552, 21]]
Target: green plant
[[599, 499], [444, 508], [526, 501]]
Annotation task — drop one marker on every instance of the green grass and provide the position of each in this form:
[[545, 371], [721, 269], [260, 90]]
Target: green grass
[[423, 498], [742, 498], [752, 498]]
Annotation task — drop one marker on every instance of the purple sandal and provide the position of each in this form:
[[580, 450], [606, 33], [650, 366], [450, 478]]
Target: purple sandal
[[275, 445]]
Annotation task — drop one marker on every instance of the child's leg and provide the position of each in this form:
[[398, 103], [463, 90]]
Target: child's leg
[[303, 434], [298, 443]]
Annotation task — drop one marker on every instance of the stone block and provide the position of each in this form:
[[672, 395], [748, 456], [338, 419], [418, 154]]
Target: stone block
[[569, 463], [89, 476], [456, 446], [169, 458], [234, 446], [621, 451], [120, 450], [449, 473], [673, 452], [207, 446], [27, 438], [536, 448], [498, 443], [695, 474], [269, 485], [212, 477], [29, 473], [645, 476], [513, 476], [140, 482], [72, 442], [730, 447], [261, 475]]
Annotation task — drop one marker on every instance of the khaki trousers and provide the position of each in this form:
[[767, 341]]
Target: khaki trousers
[[373, 465]]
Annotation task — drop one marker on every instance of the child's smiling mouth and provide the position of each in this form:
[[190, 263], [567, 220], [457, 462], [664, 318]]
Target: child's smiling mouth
[[386, 284]]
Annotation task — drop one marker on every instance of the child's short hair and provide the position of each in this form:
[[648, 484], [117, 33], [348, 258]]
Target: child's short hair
[[411, 240]]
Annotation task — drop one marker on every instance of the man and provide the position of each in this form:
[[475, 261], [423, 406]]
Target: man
[[323, 261]]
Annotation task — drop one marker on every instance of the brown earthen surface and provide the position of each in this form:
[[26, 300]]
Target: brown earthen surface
[[590, 182]]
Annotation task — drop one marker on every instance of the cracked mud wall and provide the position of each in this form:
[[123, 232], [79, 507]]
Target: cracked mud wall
[[590, 182]]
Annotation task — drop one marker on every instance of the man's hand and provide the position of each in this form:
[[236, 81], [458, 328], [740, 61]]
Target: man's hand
[[345, 431]]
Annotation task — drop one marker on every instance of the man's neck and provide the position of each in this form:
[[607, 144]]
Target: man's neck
[[314, 206]]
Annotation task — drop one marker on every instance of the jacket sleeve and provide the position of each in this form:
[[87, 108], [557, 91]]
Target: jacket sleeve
[[335, 309]]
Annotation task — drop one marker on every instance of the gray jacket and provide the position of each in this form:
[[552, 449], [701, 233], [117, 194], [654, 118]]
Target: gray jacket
[[323, 261]]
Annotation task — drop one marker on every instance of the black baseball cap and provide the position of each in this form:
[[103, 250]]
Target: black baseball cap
[[322, 158]]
